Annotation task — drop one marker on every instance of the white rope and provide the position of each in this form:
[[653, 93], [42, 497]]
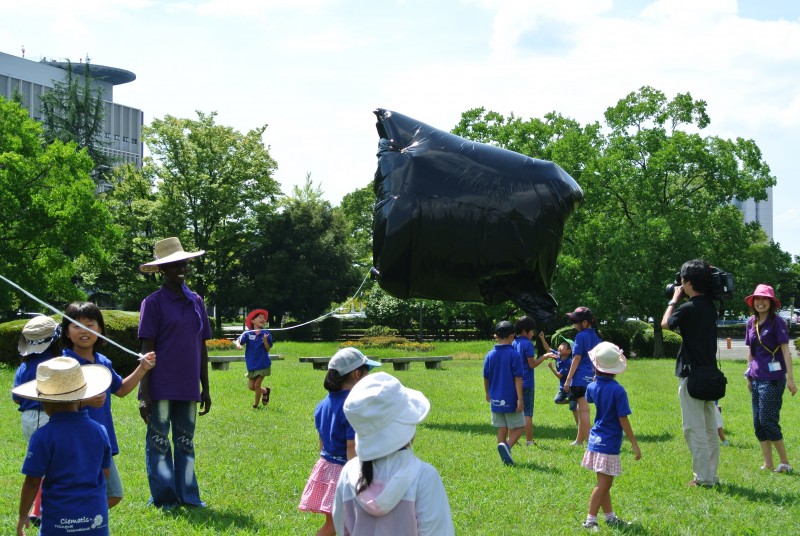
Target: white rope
[[56, 311]]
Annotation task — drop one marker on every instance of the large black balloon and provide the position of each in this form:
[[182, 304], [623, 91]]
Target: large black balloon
[[458, 220]]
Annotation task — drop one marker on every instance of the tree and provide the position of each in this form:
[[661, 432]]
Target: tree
[[51, 222], [657, 193], [73, 111], [210, 181], [300, 261], [357, 207]]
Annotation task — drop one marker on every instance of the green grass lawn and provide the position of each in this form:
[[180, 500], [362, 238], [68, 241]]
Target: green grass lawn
[[252, 464]]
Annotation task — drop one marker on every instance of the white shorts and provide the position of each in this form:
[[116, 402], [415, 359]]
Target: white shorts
[[32, 420]]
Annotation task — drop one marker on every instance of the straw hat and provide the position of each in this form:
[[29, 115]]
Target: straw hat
[[63, 379], [167, 251], [608, 357], [38, 334], [349, 359], [763, 291], [384, 415]]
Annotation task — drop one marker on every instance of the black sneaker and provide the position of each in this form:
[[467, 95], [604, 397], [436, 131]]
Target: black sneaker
[[591, 525], [617, 522]]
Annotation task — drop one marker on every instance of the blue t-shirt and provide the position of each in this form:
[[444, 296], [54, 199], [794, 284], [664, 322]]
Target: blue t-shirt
[[562, 366], [27, 372], [71, 453], [333, 428], [525, 348], [256, 356], [501, 365], [585, 340], [611, 402], [102, 414]]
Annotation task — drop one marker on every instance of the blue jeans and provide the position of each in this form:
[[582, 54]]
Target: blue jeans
[[767, 398], [172, 480]]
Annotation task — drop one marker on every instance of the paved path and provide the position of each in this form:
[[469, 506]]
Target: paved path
[[739, 351]]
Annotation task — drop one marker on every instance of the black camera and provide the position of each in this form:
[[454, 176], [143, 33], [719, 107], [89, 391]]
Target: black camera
[[720, 285]]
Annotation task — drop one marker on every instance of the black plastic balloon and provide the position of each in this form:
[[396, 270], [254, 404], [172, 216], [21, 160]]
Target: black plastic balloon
[[457, 220]]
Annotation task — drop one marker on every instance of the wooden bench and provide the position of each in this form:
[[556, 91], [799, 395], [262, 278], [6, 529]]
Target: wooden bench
[[222, 362], [431, 362], [319, 363]]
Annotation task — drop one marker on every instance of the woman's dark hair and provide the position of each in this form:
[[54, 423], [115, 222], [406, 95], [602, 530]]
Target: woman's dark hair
[[366, 476], [78, 310], [334, 381], [698, 272]]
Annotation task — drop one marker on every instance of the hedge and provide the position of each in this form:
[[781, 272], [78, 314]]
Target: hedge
[[121, 327]]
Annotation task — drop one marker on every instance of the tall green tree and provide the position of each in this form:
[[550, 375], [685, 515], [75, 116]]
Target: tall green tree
[[358, 207], [300, 261], [210, 180], [73, 111], [51, 222]]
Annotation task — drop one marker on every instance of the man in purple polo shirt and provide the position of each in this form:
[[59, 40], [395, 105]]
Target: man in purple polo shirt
[[174, 323]]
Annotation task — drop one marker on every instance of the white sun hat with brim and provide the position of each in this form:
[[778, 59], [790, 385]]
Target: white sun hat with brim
[[384, 415], [608, 357], [63, 379], [38, 334], [167, 251]]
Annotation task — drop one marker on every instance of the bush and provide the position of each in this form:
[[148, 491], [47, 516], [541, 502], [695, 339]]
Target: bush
[[298, 334], [391, 342], [380, 330], [643, 343], [622, 333], [121, 327], [330, 329]]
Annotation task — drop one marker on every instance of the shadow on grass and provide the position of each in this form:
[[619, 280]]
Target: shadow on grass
[[759, 496], [220, 520], [530, 466], [539, 431]]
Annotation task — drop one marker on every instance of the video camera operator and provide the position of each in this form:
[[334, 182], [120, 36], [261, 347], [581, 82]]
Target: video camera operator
[[697, 321]]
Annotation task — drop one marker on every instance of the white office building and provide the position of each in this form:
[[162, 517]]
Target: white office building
[[759, 211], [121, 138]]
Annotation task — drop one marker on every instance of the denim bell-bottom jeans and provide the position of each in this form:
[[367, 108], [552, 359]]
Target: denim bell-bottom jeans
[[170, 472]]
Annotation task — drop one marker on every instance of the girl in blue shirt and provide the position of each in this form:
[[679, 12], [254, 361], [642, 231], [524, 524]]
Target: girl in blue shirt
[[257, 342], [581, 372], [336, 437], [605, 438]]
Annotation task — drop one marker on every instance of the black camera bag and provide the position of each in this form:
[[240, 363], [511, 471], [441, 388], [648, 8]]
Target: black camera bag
[[706, 383]]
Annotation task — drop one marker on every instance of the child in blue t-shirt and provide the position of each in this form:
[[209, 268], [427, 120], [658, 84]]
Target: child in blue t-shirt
[[336, 437], [524, 330], [70, 456], [37, 343], [79, 344], [502, 381], [257, 342], [605, 438], [581, 372]]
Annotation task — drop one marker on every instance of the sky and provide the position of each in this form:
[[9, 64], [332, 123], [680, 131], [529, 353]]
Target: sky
[[314, 70]]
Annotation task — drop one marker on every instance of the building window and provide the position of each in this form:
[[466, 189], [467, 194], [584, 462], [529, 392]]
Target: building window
[[125, 138], [108, 135], [116, 136], [134, 140]]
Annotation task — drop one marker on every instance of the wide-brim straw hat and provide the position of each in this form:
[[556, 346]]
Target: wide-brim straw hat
[[608, 357], [63, 379], [167, 251], [384, 415], [38, 334], [763, 291]]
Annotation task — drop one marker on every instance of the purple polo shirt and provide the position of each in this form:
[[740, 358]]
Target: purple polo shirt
[[179, 327], [773, 333]]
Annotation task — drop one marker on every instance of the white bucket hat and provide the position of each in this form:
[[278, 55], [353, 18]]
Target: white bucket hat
[[384, 415], [167, 251], [608, 358], [38, 334], [63, 379], [349, 359]]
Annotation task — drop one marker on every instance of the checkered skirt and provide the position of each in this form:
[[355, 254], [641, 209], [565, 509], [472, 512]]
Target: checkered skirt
[[321, 487], [607, 464]]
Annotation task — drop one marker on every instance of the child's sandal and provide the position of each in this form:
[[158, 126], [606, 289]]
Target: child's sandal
[[265, 396]]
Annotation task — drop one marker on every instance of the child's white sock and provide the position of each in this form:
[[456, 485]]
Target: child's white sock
[[590, 517], [610, 515]]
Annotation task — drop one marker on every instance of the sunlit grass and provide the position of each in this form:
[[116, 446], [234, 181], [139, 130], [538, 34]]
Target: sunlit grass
[[253, 464]]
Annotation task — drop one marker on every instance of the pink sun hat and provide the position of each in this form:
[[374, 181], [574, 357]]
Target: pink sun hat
[[763, 291]]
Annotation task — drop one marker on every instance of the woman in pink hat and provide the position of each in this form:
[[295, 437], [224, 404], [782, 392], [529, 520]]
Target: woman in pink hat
[[769, 373]]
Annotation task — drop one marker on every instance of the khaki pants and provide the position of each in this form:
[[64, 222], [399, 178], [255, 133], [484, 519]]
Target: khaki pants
[[700, 431]]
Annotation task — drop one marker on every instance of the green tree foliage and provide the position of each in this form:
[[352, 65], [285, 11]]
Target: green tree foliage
[[209, 180], [72, 111], [299, 260], [51, 222], [657, 193], [357, 207]]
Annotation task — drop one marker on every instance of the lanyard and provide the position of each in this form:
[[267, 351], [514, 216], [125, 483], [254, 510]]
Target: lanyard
[[758, 334]]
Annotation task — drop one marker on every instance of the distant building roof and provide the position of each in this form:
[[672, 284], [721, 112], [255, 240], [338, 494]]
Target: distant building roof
[[112, 75]]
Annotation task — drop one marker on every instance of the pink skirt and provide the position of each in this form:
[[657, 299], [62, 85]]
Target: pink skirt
[[321, 487], [608, 464]]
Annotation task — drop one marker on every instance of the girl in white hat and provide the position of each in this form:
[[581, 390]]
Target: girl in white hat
[[605, 437], [386, 489]]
